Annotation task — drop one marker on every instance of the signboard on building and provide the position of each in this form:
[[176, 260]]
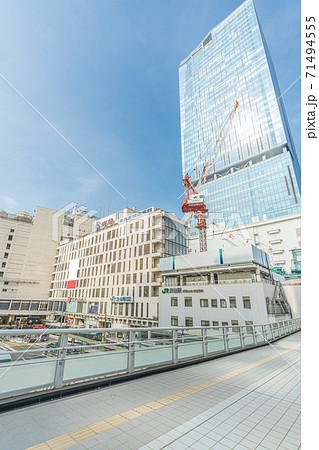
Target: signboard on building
[[104, 224], [138, 213], [181, 291], [73, 270], [116, 298]]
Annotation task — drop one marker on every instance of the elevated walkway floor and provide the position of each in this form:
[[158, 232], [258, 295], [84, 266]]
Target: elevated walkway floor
[[247, 400]]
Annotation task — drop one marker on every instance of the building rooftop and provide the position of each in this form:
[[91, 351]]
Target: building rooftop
[[222, 255]]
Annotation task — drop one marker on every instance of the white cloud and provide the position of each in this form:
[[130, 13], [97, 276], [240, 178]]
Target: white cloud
[[9, 204]]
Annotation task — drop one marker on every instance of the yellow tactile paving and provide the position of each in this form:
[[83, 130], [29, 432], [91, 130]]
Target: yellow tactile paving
[[74, 437]]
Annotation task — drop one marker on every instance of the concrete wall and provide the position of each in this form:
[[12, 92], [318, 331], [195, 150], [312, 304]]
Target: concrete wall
[[256, 291], [32, 252], [293, 293]]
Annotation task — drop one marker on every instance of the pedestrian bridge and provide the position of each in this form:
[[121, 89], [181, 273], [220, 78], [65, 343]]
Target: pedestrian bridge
[[246, 399]]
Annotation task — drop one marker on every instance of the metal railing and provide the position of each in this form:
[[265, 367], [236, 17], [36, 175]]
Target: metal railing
[[30, 361]]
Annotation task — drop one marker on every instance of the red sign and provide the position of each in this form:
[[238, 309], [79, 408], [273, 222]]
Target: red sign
[[71, 284]]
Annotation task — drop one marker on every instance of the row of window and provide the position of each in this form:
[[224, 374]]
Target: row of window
[[6, 255], [115, 233], [189, 322], [204, 303]]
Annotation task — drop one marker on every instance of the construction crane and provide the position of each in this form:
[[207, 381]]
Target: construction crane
[[195, 202]]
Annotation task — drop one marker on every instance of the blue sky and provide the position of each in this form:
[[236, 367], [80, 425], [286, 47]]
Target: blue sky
[[105, 73]]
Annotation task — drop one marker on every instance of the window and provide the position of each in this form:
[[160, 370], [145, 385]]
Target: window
[[223, 303], [3, 264], [224, 324], [10, 237], [6, 283], [146, 249], [8, 246], [236, 329], [6, 255], [4, 290], [232, 302], [1, 274], [174, 321], [146, 291], [12, 230], [214, 303], [174, 301], [188, 321], [249, 329], [188, 301], [204, 323], [215, 323], [246, 302], [204, 302]]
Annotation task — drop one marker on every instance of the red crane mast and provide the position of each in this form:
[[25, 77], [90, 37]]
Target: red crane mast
[[195, 202]]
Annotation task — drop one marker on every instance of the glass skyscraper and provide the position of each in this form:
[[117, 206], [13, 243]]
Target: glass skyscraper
[[255, 173]]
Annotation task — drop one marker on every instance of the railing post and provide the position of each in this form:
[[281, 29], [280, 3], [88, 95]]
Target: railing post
[[264, 332], [254, 336], [241, 337], [286, 328], [204, 340], [226, 339], [283, 324], [272, 331], [131, 352], [174, 347], [59, 369]]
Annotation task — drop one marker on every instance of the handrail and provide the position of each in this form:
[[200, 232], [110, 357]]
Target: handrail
[[63, 363], [24, 331]]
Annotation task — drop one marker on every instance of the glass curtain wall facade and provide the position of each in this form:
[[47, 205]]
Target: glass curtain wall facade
[[255, 172], [176, 235]]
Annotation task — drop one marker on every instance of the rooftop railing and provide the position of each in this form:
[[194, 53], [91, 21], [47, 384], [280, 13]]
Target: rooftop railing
[[37, 359]]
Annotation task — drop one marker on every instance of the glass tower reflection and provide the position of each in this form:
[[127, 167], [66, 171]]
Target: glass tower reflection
[[256, 172]]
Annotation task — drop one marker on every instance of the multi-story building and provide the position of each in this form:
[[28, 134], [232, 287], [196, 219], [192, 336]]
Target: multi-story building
[[223, 286], [277, 237], [255, 173], [27, 254], [111, 277]]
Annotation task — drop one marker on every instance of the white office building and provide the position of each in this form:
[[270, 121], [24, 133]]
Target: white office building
[[224, 286], [111, 277], [27, 255]]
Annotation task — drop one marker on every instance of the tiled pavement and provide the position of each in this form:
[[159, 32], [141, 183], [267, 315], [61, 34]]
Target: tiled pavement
[[243, 401]]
